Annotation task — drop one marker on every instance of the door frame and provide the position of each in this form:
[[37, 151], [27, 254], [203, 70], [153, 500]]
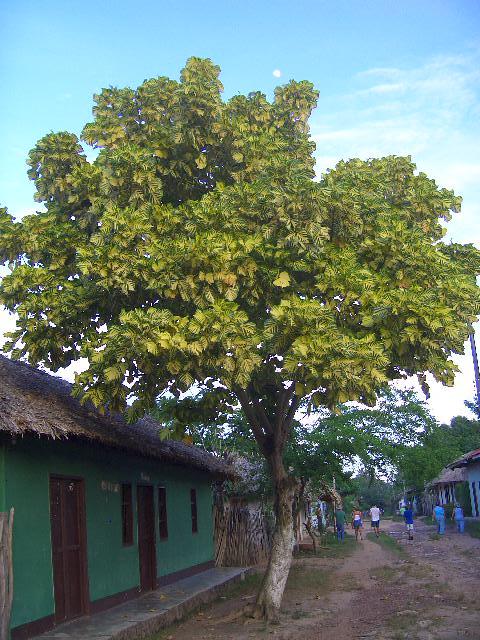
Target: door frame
[[82, 516], [154, 539]]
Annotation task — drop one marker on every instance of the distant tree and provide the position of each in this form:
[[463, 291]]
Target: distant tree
[[370, 490], [198, 249], [438, 446]]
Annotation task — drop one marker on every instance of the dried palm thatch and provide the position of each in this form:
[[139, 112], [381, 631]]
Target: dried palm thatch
[[242, 536], [329, 494], [34, 402]]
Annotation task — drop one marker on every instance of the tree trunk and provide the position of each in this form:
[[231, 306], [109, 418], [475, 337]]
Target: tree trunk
[[270, 595], [6, 572]]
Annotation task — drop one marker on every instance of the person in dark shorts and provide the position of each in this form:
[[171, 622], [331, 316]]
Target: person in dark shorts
[[340, 519], [408, 517], [375, 517], [357, 523]]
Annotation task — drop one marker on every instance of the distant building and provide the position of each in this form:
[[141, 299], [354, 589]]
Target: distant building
[[470, 465], [442, 489]]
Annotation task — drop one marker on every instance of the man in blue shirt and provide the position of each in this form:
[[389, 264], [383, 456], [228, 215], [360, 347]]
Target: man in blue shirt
[[408, 517], [439, 515], [457, 515]]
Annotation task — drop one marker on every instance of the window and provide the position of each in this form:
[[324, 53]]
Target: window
[[127, 515], [193, 507], [162, 513]]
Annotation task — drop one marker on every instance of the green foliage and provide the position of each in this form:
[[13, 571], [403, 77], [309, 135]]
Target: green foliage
[[198, 247], [371, 491], [331, 446], [438, 446], [473, 528], [387, 542]]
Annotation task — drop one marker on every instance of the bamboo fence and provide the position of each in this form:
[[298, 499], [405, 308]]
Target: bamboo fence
[[242, 536], [6, 572]]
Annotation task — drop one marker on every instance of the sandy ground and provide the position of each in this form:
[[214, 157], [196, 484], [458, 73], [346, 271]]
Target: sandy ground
[[427, 589]]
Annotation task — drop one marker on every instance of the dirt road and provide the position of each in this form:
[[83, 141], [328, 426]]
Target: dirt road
[[396, 590]]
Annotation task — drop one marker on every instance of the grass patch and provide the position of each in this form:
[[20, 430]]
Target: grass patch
[[347, 583], [403, 622], [300, 615], [383, 573], [303, 577], [435, 536], [419, 571], [472, 527], [387, 542], [334, 548], [251, 582]]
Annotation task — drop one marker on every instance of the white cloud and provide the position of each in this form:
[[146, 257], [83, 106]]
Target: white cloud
[[277, 73]]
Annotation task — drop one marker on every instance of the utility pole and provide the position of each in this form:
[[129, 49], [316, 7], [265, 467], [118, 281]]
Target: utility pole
[[477, 372]]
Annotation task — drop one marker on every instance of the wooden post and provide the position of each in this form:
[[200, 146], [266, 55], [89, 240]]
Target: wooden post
[[6, 572]]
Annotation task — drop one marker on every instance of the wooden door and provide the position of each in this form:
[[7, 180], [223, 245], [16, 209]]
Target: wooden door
[[146, 538], [69, 558]]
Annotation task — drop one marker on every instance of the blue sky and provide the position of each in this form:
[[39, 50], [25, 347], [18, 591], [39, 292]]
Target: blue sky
[[395, 77]]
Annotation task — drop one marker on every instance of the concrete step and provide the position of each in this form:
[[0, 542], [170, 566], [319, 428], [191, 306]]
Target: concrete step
[[147, 614]]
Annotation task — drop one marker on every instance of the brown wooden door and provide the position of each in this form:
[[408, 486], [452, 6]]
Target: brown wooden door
[[67, 516], [146, 538]]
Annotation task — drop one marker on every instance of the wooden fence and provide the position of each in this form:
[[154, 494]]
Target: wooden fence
[[242, 536], [6, 572]]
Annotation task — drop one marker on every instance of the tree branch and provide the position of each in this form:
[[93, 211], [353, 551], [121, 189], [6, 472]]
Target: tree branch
[[285, 426], [285, 397], [265, 422], [252, 418]]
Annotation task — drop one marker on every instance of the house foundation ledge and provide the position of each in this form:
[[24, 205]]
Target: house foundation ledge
[[147, 614]]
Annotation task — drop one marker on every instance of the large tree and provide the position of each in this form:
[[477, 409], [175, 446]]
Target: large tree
[[198, 249]]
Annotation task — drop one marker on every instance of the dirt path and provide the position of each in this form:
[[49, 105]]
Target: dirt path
[[397, 590]]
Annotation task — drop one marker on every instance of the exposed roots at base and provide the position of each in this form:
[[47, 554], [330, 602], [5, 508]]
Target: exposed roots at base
[[252, 612]]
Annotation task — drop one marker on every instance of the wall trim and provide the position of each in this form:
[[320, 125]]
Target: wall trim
[[96, 606], [36, 627], [184, 573]]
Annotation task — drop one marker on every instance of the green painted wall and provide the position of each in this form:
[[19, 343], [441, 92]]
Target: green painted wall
[[112, 568]]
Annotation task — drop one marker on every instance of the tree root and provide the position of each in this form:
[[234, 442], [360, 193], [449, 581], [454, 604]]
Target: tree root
[[251, 612]]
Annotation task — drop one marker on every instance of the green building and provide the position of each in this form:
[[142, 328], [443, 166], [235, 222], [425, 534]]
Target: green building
[[104, 511]]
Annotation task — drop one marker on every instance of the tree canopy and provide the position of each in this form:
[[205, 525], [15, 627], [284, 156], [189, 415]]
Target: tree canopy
[[198, 246], [198, 249]]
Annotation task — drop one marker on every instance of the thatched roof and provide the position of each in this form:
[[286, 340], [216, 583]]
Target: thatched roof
[[468, 458], [327, 493], [34, 402], [447, 476]]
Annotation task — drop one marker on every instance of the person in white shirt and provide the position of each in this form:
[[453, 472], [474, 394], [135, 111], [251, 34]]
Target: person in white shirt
[[375, 517]]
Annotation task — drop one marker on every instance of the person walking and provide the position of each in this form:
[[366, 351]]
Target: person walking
[[439, 515], [375, 519], [340, 518], [408, 517], [457, 515], [357, 523]]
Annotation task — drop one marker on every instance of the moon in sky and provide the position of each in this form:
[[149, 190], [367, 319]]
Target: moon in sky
[[277, 73]]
